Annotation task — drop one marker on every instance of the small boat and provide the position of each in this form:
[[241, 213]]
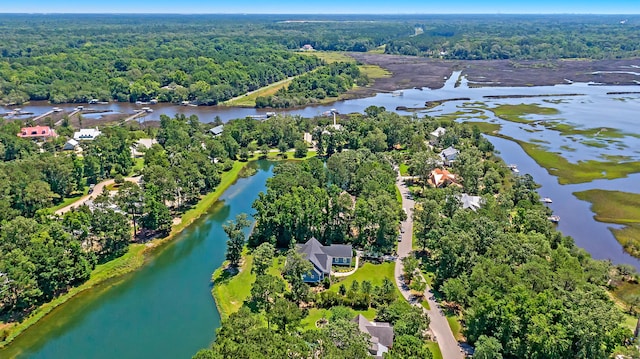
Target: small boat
[[56, 109], [515, 170], [554, 218], [546, 200], [397, 93]]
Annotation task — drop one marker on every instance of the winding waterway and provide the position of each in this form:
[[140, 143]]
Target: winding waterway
[[163, 310]]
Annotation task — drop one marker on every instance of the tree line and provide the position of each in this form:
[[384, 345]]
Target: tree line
[[328, 81]]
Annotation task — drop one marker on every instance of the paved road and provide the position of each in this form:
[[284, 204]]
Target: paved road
[[439, 325], [96, 191]]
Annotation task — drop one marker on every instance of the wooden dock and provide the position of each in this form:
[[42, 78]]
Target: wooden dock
[[136, 115]]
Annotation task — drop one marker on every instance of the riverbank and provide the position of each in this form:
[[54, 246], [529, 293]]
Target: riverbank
[[619, 208], [135, 257]]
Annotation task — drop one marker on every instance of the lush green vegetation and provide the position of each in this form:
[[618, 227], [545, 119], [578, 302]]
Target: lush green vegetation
[[43, 257], [516, 113], [617, 207], [505, 264], [475, 37], [516, 286], [313, 87]]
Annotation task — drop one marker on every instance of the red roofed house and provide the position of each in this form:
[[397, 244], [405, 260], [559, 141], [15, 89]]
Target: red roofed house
[[439, 177], [38, 132]]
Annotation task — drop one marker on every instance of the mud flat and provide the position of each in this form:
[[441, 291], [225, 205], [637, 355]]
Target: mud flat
[[410, 72]]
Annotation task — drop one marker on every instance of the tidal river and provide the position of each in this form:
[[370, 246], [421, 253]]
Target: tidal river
[[163, 310]]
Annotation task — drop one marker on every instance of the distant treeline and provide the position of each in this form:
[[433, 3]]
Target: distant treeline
[[207, 59]]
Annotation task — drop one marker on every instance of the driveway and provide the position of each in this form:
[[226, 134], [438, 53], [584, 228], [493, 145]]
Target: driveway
[[439, 325], [96, 191]]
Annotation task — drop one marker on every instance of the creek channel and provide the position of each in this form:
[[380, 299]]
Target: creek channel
[[165, 309]]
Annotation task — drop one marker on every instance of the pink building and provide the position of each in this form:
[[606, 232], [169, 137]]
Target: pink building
[[38, 132]]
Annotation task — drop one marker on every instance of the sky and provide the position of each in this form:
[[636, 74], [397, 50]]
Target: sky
[[325, 7]]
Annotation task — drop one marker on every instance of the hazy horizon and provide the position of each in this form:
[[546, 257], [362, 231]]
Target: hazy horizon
[[328, 7]]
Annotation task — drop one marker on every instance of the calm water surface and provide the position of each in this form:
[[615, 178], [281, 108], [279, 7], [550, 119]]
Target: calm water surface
[[164, 310]]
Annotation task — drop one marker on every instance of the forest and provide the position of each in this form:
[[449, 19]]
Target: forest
[[520, 288], [207, 59], [313, 87]]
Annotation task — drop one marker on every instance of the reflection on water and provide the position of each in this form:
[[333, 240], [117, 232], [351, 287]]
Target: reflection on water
[[163, 310]]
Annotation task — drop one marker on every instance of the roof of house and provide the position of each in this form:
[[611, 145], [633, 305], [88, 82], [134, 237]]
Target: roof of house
[[86, 134], [440, 176], [472, 202], [37, 131], [449, 152], [72, 142], [322, 256], [217, 130], [381, 333], [438, 132]]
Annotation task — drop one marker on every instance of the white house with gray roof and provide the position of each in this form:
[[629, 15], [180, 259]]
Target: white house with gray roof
[[86, 134], [448, 155], [323, 257], [217, 131]]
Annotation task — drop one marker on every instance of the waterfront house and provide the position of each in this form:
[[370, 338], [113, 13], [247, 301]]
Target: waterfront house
[[323, 257], [37, 132], [448, 155], [441, 177], [216, 131], [381, 335], [86, 134]]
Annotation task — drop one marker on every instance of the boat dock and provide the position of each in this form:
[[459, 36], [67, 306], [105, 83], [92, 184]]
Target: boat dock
[[138, 114]]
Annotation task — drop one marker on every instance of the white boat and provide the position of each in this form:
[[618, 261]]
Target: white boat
[[546, 200], [554, 218]]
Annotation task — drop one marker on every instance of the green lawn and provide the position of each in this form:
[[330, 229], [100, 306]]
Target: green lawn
[[404, 169], [230, 292], [69, 200], [456, 327], [425, 304], [435, 350], [374, 273]]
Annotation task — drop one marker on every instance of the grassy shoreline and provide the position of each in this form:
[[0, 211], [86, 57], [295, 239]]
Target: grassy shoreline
[[129, 262], [619, 208]]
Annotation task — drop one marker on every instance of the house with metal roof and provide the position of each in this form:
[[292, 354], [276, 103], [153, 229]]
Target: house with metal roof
[[448, 155], [381, 335], [470, 202], [86, 134], [216, 131], [323, 257], [37, 132]]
